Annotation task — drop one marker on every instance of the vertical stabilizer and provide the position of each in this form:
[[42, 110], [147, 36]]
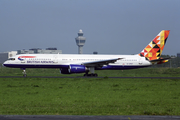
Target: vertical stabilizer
[[154, 50]]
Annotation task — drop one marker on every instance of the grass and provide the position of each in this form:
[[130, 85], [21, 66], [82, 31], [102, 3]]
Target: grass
[[92, 96], [143, 72]]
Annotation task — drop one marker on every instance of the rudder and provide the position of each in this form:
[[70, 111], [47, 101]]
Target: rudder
[[154, 49]]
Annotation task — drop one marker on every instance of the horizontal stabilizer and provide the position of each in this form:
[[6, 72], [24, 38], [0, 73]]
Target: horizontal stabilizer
[[161, 60]]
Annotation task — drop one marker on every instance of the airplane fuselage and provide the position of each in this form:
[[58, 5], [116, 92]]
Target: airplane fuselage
[[64, 60]]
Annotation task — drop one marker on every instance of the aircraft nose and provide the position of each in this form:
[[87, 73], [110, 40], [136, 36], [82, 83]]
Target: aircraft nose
[[5, 63]]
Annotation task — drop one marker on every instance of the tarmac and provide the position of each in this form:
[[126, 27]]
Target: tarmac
[[88, 77], [83, 117]]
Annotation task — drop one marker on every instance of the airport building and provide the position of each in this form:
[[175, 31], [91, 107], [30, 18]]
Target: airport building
[[4, 56], [178, 55], [40, 51]]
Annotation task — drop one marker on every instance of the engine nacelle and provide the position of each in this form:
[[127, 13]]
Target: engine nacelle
[[77, 68], [73, 69]]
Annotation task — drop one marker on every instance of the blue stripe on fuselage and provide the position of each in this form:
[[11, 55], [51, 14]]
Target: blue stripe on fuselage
[[108, 67], [35, 66]]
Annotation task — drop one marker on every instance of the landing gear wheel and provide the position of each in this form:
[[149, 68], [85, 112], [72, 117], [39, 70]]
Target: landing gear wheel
[[24, 72], [85, 75], [24, 75], [94, 75], [91, 75]]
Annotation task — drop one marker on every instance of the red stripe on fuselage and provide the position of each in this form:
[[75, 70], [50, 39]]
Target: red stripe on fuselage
[[26, 56]]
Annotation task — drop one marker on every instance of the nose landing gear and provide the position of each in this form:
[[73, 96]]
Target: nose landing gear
[[24, 72]]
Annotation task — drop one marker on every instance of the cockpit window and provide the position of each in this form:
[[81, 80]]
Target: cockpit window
[[11, 59]]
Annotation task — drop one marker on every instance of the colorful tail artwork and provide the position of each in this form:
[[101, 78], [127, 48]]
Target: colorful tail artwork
[[154, 50]]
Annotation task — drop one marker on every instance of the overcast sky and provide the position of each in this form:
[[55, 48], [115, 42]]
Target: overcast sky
[[110, 26]]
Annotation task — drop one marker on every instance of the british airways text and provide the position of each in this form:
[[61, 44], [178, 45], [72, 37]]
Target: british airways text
[[40, 62]]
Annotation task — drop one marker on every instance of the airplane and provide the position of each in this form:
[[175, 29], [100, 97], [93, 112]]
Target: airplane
[[85, 63]]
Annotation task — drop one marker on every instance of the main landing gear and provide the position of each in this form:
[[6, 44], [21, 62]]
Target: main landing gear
[[92, 73], [24, 72]]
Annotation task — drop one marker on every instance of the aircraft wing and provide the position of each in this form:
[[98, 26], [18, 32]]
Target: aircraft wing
[[101, 62]]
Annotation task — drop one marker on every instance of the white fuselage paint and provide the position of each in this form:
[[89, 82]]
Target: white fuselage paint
[[56, 60]]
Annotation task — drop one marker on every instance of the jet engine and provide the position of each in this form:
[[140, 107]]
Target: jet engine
[[73, 69]]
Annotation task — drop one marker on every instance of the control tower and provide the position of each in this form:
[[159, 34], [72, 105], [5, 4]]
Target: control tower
[[80, 41]]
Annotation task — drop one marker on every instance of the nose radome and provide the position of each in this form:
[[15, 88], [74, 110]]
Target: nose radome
[[6, 62]]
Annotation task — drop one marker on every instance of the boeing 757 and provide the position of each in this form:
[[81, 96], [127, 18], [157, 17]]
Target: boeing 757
[[85, 63]]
